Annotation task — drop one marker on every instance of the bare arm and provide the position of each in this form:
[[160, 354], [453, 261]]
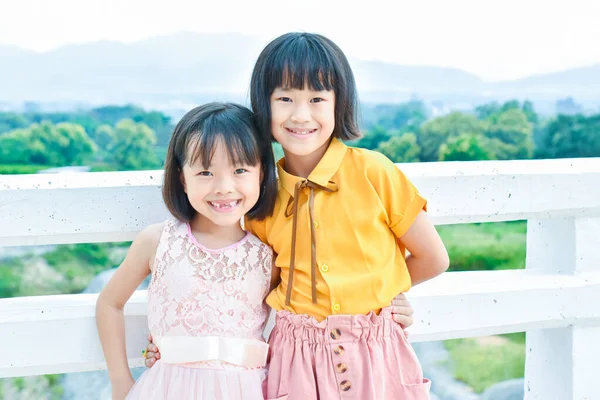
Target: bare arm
[[275, 274], [109, 308], [428, 256]]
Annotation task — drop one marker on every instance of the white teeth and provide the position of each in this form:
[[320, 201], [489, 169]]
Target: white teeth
[[302, 132], [232, 203]]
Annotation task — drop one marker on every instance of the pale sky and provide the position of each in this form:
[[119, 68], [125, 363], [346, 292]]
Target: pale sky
[[494, 39]]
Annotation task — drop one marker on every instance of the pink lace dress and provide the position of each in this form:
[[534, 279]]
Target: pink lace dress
[[207, 307]]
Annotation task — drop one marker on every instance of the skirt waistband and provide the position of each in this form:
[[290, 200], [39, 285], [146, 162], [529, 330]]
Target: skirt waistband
[[339, 328], [248, 353]]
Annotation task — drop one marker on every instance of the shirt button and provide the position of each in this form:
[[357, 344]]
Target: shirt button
[[336, 307], [335, 334], [324, 268], [345, 386], [316, 224]]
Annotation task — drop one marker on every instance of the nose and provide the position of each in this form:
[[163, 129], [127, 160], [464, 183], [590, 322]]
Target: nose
[[301, 114], [224, 186]]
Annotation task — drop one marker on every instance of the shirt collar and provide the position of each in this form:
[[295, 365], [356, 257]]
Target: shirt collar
[[323, 172]]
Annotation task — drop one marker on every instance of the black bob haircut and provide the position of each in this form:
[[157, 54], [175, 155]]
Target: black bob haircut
[[296, 60], [196, 136]]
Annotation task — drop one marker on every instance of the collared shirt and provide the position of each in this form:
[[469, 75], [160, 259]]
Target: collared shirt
[[362, 204]]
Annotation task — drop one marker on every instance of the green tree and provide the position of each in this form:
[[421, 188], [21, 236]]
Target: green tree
[[46, 144], [405, 117], [77, 147], [436, 132], [104, 136], [485, 111], [15, 147], [466, 147], [11, 121], [159, 123], [373, 138], [155, 120], [132, 148], [510, 105], [511, 135], [572, 136], [529, 111], [401, 148]]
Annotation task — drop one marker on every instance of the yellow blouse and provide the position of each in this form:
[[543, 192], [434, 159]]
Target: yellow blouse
[[349, 261]]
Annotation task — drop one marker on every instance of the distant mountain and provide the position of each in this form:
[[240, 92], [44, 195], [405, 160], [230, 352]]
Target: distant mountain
[[576, 76], [12, 51], [187, 67], [373, 75]]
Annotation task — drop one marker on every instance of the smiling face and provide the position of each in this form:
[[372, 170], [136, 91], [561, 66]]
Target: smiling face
[[302, 120], [223, 191]]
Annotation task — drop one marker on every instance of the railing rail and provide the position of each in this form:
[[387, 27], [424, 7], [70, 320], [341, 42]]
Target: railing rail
[[556, 299]]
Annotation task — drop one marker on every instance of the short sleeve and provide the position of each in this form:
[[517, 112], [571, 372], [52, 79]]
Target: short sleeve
[[257, 228], [398, 195]]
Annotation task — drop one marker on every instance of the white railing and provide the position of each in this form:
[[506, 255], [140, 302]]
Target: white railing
[[556, 299]]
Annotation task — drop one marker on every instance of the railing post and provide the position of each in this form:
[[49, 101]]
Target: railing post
[[561, 363]]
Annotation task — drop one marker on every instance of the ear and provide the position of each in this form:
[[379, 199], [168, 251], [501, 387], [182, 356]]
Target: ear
[[182, 180]]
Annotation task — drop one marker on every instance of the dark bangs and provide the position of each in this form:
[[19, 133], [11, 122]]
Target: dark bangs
[[236, 135], [299, 60], [300, 63]]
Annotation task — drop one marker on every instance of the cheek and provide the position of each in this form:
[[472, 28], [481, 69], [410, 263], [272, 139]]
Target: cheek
[[196, 192], [252, 186], [277, 114]]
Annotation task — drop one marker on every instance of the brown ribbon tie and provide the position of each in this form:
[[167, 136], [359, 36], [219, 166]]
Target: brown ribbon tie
[[293, 202]]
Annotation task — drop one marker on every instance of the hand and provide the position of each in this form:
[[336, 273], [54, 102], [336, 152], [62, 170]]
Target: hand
[[152, 353], [121, 388], [402, 311]]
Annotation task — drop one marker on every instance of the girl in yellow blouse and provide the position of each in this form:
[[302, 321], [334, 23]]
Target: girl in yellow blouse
[[343, 219], [342, 222]]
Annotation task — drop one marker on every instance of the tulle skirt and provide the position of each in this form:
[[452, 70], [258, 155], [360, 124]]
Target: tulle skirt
[[169, 381]]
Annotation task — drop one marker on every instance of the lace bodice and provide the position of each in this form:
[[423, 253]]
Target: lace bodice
[[197, 291]]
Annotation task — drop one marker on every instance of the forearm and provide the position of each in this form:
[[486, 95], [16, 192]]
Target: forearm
[[111, 330], [423, 269]]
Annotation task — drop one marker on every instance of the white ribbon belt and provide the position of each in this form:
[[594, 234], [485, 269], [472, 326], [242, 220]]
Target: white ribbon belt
[[249, 353]]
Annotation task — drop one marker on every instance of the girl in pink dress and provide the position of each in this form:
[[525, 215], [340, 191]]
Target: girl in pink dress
[[206, 306]]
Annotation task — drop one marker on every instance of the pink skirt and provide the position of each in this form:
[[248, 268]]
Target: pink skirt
[[169, 381], [362, 357]]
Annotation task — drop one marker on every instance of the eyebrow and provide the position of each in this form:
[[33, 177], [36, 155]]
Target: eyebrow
[[288, 90]]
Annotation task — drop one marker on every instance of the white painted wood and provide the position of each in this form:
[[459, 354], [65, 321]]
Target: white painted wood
[[78, 207], [585, 356], [459, 304], [559, 361], [556, 300], [114, 206], [57, 334]]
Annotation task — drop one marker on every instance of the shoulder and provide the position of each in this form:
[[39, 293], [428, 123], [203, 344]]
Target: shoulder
[[255, 240], [372, 163], [150, 235]]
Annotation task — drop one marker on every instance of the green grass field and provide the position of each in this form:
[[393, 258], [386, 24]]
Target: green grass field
[[7, 169], [482, 362]]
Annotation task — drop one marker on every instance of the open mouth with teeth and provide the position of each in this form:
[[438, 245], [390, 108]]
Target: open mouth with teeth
[[301, 132], [224, 205]]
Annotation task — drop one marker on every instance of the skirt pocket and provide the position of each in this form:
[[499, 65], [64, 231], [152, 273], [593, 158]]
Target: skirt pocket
[[417, 391]]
